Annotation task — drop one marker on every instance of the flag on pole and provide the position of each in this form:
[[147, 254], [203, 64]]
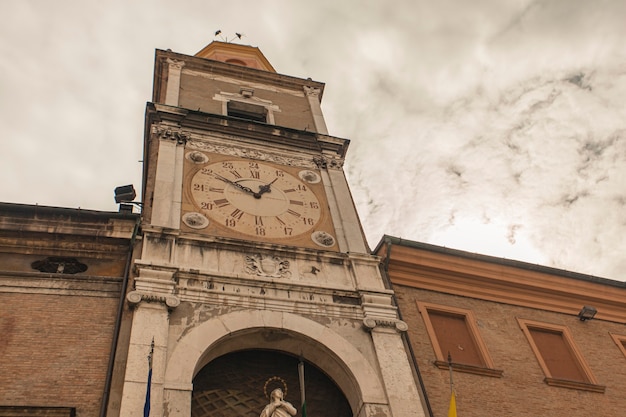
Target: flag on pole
[[302, 397], [146, 406], [452, 407]]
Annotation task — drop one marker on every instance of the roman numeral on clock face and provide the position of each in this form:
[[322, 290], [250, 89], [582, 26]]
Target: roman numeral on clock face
[[243, 196], [294, 213], [237, 214], [221, 202]]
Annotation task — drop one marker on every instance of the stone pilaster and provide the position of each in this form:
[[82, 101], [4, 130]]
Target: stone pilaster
[[167, 200], [173, 82], [381, 321], [151, 304], [313, 96]]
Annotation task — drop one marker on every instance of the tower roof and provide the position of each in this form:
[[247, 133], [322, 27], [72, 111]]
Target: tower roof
[[232, 53]]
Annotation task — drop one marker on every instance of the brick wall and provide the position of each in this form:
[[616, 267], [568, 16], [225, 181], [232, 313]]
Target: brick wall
[[521, 391], [54, 350]]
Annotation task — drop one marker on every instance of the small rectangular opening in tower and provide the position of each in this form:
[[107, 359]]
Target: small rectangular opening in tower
[[247, 111]]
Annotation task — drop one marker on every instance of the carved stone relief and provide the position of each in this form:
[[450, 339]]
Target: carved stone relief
[[267, 266], [323, 162], [249, 153]]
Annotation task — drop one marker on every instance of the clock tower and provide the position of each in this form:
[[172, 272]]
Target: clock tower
[[254, 266]]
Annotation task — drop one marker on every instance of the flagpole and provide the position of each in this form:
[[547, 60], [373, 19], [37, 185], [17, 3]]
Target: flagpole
[[302, 396], [146, 406], [450, 368], [452, 406]]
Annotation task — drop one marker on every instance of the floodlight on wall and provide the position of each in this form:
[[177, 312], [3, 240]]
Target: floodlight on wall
[[587, 313], [125, 194]]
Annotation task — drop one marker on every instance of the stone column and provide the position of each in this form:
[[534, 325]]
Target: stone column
[[380, 320], [173, 82], [313, 96], [349, 233], [167, 198], [150, 322]]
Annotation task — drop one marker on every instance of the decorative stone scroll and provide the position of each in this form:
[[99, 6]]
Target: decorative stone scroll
[[323, 162], [136, 297], [176, 135], [370, 323], [312, 91], [175, 64]]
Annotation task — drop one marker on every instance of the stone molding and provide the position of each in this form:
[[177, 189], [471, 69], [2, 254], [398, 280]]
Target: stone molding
[[189, 352], [243, 152], [60, 284], [510, 282]]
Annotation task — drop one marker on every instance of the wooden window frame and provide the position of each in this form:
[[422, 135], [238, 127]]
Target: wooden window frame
[[590, 385], [442, 357], [620, 341], [32, 411]]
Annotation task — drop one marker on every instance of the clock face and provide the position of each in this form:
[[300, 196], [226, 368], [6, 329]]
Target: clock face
[[256, 199]]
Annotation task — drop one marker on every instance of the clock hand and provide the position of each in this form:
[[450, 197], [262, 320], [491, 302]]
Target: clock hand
[[264, 189], [235, 184]]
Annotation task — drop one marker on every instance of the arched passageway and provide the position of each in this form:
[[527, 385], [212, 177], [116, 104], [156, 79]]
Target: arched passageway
[[236, 385]]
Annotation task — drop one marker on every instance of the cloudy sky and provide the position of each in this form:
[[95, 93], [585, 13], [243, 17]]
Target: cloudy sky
[[493, 126]]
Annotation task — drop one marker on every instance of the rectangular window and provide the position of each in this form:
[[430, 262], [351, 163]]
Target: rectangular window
[[453, 331], [247, 111], [26, 411], [557, 354]]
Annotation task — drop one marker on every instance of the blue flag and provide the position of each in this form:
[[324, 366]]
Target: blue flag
[[146, 406]]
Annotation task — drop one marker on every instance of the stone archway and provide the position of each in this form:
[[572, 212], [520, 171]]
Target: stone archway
[[237, 384], [285, 332]]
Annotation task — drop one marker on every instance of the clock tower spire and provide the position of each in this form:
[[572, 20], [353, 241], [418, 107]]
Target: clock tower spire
[[253, 254]]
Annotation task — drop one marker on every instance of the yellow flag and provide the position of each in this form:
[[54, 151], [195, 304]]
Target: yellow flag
[[452, 408]]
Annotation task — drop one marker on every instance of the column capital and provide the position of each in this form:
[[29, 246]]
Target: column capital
[[175, 64], [370, 323], [312, 91], [136, 297]]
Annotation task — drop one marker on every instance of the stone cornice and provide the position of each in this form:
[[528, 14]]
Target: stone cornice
[[187, 124], [59, 284], [237, 245], [478, 278], [228, 70], [22, 218]]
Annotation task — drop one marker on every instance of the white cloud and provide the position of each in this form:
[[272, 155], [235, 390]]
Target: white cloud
[[496, 127]]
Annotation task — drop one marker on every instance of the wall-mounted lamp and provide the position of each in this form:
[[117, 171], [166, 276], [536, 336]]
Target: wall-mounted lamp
[[124, 196], [587, 313]]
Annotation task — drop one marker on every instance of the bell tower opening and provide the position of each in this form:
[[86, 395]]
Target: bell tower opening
[[239, 384]]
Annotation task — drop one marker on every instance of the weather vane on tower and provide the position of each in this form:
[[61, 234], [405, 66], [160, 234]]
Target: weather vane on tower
[[225, 39]]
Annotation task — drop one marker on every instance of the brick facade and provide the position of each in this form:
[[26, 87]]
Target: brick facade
[[498, 293], [521, 391], [54, 350], [61, 278]]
